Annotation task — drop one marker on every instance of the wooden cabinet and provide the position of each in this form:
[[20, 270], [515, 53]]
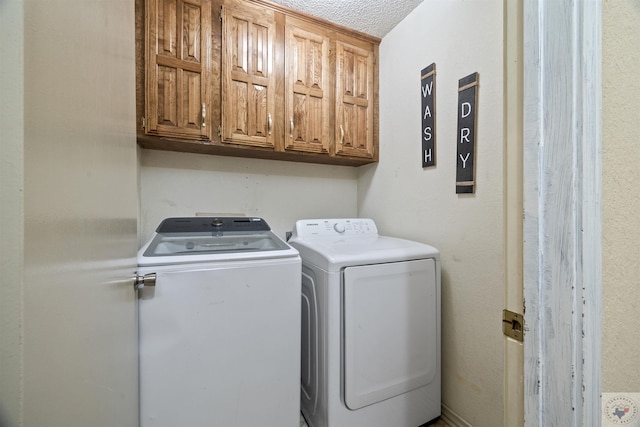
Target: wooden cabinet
[[354, 99], [178, 68], [307, 88], [248, 76], [254, 79], [250, 110]]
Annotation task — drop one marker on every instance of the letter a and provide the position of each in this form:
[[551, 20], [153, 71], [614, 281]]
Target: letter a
[[427, 112]]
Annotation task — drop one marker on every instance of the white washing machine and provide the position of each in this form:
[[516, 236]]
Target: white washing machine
[[220, 330], [370, 326]]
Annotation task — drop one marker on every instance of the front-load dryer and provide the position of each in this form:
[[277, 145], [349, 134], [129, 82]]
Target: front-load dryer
[[370, 326]]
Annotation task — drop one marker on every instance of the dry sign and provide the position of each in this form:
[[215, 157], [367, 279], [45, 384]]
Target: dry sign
[[466, 160]]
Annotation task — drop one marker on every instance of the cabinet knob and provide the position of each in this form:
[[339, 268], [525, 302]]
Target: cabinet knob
[[291, 128], [269, 123], [204, 115], [341, 135]]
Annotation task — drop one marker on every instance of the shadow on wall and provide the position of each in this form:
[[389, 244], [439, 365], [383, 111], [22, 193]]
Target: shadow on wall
[[209, 163]]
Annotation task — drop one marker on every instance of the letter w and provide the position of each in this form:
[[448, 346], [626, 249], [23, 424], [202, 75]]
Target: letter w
[[426, 89]]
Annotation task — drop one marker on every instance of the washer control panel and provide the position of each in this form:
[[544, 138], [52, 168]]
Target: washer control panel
[[335, 227]]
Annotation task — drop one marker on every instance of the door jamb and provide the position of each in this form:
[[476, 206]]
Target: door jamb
[[562, 212]]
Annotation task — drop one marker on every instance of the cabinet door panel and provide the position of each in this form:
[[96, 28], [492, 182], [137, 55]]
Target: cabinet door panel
[[318, 131], [247, 74], [260, 51], [307, 90], [259, 117], [191, 104], [167, 28], [191, 18], [167, 95], [354, 101], [178, 66], [239, 92]]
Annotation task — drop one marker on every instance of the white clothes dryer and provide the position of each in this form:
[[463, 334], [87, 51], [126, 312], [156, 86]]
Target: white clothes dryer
[[370, 326], [220, 330]]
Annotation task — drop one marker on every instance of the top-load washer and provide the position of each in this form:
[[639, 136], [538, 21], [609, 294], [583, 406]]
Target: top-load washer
[[220, 330], [370, 326]]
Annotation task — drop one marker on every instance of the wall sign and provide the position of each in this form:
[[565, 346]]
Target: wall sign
[[428, 90], [466, 160]]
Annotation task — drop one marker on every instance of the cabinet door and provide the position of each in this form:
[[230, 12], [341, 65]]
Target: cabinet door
[[307, 90], [248, 81], [178, 68], [354, 100]]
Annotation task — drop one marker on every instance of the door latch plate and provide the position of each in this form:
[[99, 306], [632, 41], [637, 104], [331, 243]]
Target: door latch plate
[[513, 325]]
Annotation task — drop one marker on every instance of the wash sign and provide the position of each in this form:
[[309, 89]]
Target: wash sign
[[428, 90], [466, 136]]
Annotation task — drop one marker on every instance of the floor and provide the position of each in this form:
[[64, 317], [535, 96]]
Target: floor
[[438, 423]]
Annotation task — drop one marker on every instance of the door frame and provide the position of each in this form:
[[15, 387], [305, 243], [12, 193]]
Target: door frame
[[562, 199], [513, 394]]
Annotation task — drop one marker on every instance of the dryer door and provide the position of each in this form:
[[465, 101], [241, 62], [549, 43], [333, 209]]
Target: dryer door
[[390, 330]]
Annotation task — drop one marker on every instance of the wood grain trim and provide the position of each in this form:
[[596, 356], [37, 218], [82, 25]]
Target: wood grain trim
[[226, 149]]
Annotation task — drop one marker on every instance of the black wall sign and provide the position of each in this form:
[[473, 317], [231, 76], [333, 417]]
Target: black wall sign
[[428, 90], [466, 167]]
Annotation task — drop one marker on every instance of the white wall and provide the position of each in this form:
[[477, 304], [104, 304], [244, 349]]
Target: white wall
[[11, 209], [461, 37], [179, 184], [621, 204]]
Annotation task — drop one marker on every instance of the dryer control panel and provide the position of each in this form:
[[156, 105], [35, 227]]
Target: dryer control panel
[[335, 227]]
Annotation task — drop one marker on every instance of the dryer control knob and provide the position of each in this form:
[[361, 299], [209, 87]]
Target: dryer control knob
[[339, 227]]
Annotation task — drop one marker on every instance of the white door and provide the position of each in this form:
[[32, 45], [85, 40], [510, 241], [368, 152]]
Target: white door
[[79, 339]]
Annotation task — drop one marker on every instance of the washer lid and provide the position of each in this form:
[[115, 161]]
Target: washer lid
[[201, 239]]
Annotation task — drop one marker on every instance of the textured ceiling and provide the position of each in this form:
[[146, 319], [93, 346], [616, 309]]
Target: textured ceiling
[[374, 17]]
